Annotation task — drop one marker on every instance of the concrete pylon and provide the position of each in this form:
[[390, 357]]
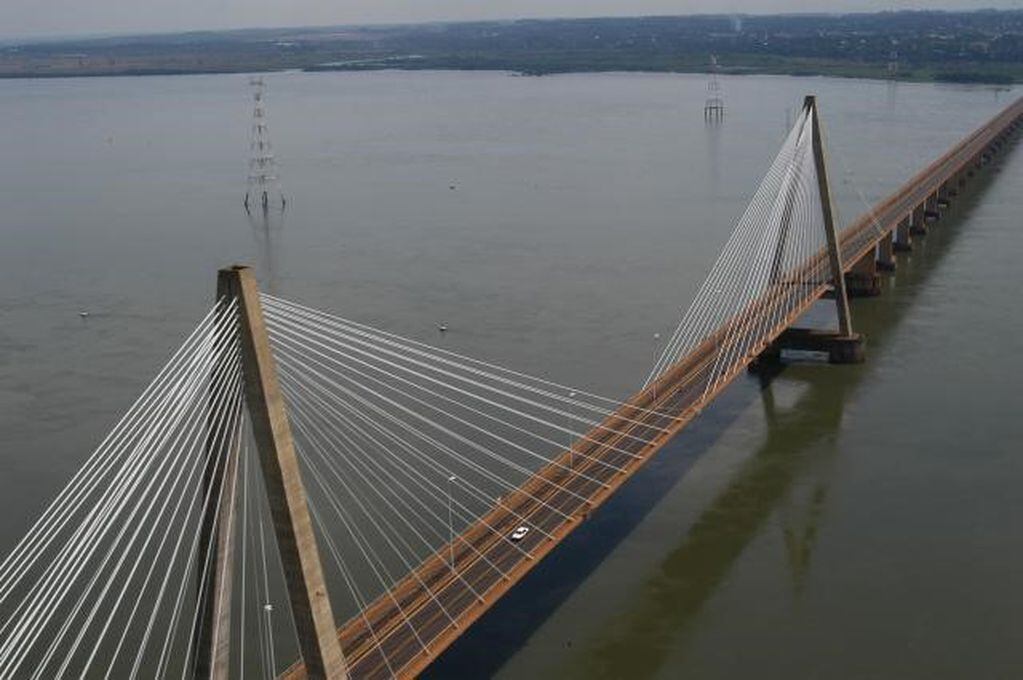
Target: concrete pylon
[[845, 346], [827, 206], [303, 572]]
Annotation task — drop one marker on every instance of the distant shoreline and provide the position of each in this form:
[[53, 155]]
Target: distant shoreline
[[984, 47], [963, 79]]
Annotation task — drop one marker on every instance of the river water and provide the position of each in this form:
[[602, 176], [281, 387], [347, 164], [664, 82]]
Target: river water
[[859, 521]]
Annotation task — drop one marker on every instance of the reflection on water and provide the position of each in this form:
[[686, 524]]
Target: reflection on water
[[892, 95], [674, 595], [715, 128], [800, 442], [268, 234]]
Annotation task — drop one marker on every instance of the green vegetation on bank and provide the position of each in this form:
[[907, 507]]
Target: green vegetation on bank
[[966, 47], [549, 63]]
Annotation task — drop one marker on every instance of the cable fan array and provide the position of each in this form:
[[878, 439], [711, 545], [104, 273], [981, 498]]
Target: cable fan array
[[105, 583], [430, 476], [406, 449], [774, 262]]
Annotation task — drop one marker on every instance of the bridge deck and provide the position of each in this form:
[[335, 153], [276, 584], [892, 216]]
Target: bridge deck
[[404, 630]]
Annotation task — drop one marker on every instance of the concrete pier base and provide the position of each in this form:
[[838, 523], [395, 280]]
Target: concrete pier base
[[863, 280], [840, 349], [859, 286]]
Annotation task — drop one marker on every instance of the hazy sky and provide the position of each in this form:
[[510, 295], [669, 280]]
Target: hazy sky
[[22, 18]]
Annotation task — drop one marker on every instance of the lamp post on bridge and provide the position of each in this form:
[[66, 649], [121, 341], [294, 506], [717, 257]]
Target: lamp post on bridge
[[451, 526], [571, 448], [657, 340]]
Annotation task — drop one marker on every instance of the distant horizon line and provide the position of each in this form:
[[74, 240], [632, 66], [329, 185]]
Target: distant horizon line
[[39, 38]]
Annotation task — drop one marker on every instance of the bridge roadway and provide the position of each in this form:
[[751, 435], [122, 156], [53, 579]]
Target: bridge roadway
[[404, 630]]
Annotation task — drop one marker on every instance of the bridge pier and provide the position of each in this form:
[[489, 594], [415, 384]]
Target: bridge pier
[[954, 184], [944, 192], [931, 213], [886, 253], [904, 241], [863, 280], [840, 348], [918, 226]]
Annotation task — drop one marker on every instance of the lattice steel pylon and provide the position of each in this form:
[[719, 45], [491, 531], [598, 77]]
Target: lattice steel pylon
[[264, 185], [893, 65], [714, 107]]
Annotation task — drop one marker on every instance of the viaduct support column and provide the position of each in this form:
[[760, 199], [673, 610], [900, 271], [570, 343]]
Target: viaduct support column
[[903, 242], [917, 226], [886, 253], [863, 280], [931, 213], [944, 193]]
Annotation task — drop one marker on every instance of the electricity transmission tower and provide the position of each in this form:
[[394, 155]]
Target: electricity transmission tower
[[893, 65], [264, 185], [714, 108]]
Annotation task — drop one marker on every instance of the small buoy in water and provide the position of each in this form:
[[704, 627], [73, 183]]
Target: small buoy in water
[[442, 326], [83, 314]]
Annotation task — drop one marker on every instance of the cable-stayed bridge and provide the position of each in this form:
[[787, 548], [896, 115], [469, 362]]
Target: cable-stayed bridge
[[390, 492]]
